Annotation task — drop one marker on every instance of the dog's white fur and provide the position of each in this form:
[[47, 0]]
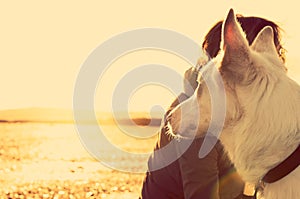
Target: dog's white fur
[[262, 109]]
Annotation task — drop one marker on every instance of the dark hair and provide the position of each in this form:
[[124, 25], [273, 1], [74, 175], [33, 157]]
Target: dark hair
[[251, 26]]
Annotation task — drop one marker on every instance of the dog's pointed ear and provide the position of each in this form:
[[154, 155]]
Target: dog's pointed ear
[[264, 41], [234, 39], [236, 59]]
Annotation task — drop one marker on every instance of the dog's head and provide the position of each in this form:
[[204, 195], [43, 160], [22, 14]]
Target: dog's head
[[249, 75]]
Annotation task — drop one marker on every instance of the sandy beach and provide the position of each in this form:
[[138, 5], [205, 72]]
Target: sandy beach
[[40, 160]]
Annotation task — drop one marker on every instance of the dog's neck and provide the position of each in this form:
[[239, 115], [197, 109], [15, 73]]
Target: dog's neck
[[260, 139], [255, 157]]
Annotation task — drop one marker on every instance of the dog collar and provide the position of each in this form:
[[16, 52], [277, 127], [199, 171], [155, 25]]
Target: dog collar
[[284, 168]]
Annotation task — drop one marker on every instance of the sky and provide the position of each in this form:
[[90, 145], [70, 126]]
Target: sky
[[43, 44]]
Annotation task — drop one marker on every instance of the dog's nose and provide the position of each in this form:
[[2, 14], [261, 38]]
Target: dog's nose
[[168, 118]]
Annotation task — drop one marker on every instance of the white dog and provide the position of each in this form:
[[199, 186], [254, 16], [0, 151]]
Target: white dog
[[262, 123]]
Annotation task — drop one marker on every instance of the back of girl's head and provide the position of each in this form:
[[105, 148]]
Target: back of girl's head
[[251, 26]]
